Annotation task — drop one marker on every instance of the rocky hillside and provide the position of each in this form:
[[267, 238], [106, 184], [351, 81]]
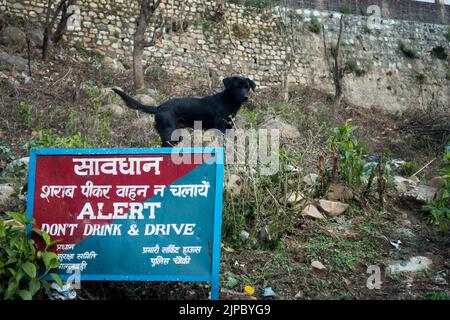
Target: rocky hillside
[[312, 234]]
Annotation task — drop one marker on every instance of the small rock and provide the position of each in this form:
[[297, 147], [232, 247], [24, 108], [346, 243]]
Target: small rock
[[312, 211], [296, 197], [114, 109], [113, 64], [414, 264], [311, 179], [339, 192], [333, 208], [6, 196], [440, 279], [318, 265], [146, 99], [299, 295], [437, 182], [152, 93]]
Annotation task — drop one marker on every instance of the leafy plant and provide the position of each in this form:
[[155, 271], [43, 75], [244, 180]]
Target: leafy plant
[[315, 26], [349, 153], [408, 168], [439, 52], [22, 266], [440, 206], [345, 9], [47, 139], [240, 31], [352, 65], [408, 51], [26, 112]]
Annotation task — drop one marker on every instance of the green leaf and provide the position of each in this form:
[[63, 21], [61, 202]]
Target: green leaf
[[11, 290], [46, 238], [25, 294], [57, 279], [34, 286], [17, 216], [30, 269], [50, 260]]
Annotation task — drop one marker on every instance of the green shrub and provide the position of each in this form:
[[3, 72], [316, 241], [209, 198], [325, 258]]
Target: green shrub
[[349, 152], [26, 112], [408, 51], [315, 25], [240, 31], [48, 139], [408, 168], [440, 206], [22, 267], [439, 52], [345, 9], [352, 65]]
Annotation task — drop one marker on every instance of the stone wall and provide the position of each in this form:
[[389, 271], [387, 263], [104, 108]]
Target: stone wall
[[221, 38], [412, 10]]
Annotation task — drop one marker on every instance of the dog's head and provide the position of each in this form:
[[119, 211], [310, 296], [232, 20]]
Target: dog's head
[[239, 87]]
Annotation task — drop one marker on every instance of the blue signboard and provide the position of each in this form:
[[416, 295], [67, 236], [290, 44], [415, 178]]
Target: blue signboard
[[131, 214]]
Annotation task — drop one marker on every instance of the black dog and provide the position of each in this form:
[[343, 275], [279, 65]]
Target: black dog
[[214, 111]]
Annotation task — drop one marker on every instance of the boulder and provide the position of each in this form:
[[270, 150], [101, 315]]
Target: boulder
[[287, 131], [11, 36], [312, 211], [333, 208], [37, 37], [419, 194], [310, 179], [112, 64], [403, 184], [146, 99], [415, 264], [18, 167], [114, 109], [6, 196], [339, 192], [12, 61]]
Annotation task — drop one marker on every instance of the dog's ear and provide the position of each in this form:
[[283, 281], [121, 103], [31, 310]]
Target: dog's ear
[[227, 82], [252, 84]]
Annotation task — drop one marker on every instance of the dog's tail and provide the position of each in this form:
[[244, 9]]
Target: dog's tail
[[134, 104]]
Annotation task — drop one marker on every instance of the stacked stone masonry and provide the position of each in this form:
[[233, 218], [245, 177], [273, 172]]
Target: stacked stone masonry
[[199, 37]]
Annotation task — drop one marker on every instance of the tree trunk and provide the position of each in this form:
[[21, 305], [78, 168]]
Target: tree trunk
[[62, 25], [139, 44], [47, 31]]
